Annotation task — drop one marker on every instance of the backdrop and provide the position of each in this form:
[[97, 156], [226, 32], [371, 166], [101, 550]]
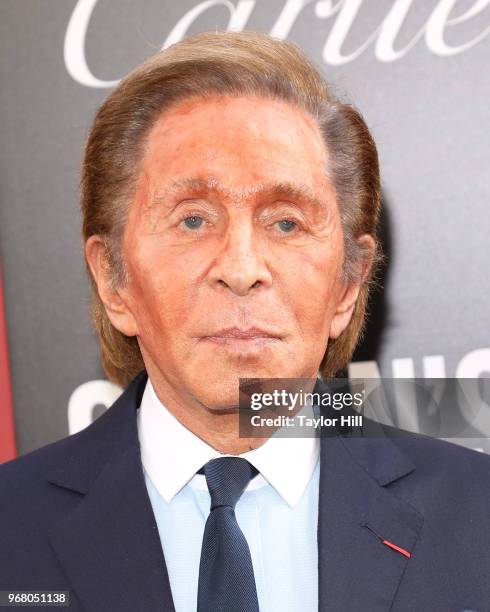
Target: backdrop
[[418, 71]]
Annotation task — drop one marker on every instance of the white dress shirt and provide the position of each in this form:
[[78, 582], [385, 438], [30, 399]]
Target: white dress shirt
[[278, 511]]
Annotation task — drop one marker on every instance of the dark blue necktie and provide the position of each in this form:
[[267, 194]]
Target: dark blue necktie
[[226, 576]]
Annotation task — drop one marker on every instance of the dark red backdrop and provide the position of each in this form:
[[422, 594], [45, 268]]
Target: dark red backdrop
[[7, 435]]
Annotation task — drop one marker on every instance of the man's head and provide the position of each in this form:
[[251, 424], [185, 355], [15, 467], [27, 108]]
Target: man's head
[[225, 189]]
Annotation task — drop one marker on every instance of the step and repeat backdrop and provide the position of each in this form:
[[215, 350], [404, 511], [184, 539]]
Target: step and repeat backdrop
[[417, 69]]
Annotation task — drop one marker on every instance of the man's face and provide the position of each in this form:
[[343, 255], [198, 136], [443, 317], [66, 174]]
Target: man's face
[[233, 247]]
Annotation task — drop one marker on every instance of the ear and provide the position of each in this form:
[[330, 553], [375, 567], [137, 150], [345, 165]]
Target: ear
[[350, 291], [114, 299]]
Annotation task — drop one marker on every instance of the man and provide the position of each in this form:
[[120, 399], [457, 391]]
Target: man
[[230, 210]]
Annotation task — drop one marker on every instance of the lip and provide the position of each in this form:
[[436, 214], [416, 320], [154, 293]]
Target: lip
[[249, 342], [237, 333]]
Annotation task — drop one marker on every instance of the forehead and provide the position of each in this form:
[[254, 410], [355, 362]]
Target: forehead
[[239, 141]]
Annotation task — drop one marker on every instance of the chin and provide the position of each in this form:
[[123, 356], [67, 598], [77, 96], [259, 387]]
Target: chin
[[219, 397], [218, 390]]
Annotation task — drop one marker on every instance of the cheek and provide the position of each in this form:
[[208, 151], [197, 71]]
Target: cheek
[[163, 287], [312, 288]]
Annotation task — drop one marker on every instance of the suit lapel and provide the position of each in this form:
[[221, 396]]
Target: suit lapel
[[356, 513], [109, 545]]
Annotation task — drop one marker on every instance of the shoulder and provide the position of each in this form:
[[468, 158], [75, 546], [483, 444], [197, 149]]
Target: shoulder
[[433, 475], [40, 489], [30, 468], [26, 489], [30, 502], [31, 505], [423, 449], [446, 474], [86, 450]]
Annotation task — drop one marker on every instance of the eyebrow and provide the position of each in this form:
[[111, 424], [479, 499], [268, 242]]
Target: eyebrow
[[282, 189]]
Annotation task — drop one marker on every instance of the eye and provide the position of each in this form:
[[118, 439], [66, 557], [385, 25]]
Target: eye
[[193, 222], [286, 225]]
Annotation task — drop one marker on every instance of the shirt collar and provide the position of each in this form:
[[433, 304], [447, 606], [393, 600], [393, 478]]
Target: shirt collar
[[171, 455]]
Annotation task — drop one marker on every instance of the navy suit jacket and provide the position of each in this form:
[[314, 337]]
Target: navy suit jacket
[[75, 515]]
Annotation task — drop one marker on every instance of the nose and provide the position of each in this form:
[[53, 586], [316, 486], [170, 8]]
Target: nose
[[241, 263]]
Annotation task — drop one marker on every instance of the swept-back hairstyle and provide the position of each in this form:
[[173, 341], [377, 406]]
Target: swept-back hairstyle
[[228, 63]]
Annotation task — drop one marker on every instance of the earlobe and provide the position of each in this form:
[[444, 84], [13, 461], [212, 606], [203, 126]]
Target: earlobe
[[345, 308], [114, 303], [344, 311]]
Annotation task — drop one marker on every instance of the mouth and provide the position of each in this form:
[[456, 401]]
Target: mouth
[[243, 340]]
